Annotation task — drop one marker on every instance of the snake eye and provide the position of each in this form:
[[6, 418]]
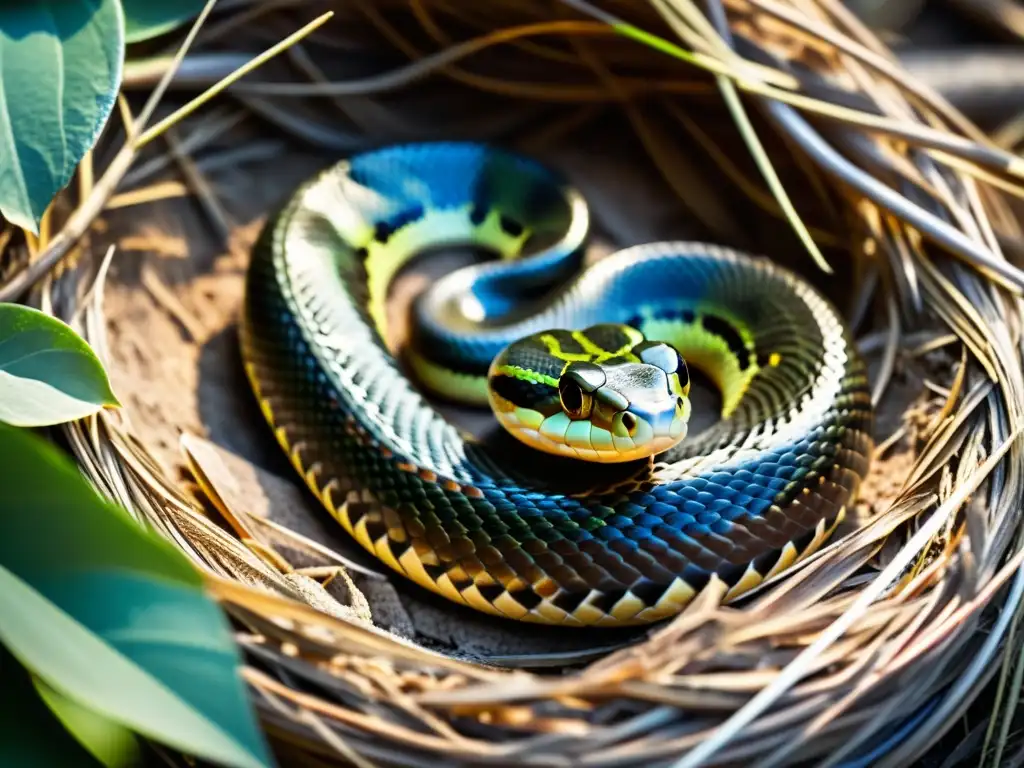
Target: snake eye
[[575, 402]]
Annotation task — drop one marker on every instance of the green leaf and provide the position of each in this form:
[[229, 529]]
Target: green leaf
[[48, 373], [112, 617], [51, 518], [30, 736], [144, 19], [60, 69], [110, 743]]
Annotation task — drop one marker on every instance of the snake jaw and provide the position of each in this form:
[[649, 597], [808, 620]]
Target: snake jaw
[[582, 440], [607, 413]]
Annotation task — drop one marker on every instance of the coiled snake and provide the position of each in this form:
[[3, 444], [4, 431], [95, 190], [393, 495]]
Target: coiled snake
[[575, 364]]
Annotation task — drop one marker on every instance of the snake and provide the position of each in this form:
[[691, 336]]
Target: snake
[[593, 505]]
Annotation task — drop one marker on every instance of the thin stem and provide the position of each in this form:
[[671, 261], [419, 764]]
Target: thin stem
[[80, 221], [239, 73]]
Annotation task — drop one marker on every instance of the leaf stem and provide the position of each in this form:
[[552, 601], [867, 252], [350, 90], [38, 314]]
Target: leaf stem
[[239, 73]]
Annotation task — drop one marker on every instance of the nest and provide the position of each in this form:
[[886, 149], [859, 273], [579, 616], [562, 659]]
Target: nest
[[798, 136]]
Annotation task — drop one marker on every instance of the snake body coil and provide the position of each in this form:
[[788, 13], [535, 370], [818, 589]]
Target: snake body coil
[[572, 543]]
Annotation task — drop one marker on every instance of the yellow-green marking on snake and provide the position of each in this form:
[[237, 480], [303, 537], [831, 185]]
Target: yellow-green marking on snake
[[590, 367]]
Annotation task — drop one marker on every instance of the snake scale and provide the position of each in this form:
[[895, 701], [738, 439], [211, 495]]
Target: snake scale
[[587, 367]]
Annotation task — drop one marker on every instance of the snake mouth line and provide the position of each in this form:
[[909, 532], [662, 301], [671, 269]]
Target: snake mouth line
[[585, 441]]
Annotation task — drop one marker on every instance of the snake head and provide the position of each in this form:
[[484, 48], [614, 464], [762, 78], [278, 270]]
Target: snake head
[[604, 394]]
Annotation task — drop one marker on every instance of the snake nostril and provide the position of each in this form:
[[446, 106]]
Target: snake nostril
[[679, 403], [629, 422]]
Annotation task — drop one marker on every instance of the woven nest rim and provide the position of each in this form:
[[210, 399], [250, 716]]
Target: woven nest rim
[[867, 630]]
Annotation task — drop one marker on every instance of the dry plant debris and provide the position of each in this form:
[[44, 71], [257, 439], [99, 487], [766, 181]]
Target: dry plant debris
[[781, 126]]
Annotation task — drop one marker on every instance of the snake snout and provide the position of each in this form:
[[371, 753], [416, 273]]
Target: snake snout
[[625, 424]]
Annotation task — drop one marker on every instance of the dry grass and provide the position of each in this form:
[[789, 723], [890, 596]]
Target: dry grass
[[799, 137]]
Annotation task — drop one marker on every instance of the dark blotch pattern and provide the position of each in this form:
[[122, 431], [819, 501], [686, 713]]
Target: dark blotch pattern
[[725, 331], [382, 232], [526, 394], [530, 353], [607, 336], [478, 213], [511, 227]]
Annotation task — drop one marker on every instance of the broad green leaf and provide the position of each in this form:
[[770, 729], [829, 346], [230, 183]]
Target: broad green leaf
[[48, 373], [110, 743], [60, 69], [112, 617], [139, 625], [30, 735], [50, 518], [144, 19]]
